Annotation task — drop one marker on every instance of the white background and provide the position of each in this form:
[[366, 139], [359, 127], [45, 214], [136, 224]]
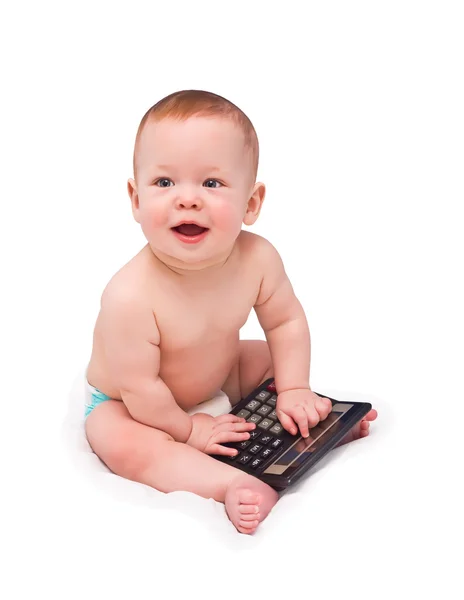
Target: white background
[[359, 112]]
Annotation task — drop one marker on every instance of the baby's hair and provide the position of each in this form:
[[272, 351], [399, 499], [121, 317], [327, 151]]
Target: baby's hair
[[188, 103]]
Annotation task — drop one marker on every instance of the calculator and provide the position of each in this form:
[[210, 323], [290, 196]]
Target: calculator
[[274, 455]]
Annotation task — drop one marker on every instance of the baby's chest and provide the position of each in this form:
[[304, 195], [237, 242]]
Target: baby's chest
[[189, 321]]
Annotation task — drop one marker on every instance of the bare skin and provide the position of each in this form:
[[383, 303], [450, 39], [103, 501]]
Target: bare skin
[[186, 303], [218, 358], [235, 366]]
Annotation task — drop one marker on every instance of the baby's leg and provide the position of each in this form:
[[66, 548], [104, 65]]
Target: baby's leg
[[253, 366], [147, 455]]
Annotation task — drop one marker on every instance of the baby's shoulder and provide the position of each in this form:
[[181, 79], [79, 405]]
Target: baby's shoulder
[[257, 247], [125, 307], [126, 290]]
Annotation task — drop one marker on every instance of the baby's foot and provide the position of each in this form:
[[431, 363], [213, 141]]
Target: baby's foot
[[361, 429], [248, 501]]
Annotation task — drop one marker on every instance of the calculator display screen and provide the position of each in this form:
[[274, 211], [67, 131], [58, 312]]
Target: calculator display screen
[[319, 435]]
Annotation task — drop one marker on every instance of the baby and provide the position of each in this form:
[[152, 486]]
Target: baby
[[167, 335]]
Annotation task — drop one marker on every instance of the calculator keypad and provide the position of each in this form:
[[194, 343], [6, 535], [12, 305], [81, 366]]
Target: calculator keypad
[[253, 405], [265, 423], [245, 458], [254, 419], [266, 453], [277, 428], [244, 414], [264, 410], [244, 444], [267, 439], [255, 448]]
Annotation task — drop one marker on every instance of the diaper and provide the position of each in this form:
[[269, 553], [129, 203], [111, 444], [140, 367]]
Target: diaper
[[93, 397], [218, 405]]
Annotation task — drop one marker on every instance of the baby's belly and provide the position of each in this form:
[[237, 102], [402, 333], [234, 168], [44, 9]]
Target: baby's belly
[[196, 375], [193, 374]]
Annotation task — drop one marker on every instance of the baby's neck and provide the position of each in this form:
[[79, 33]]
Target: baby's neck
[[192, 271]]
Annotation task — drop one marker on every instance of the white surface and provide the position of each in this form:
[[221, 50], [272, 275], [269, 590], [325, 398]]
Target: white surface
[[358, 108], [363, 497], [208, 511], [96, 471]]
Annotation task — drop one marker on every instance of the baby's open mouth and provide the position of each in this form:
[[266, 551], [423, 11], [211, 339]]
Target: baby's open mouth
[[190, 229]]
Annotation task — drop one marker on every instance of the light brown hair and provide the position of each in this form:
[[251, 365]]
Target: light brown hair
[[188, 103]]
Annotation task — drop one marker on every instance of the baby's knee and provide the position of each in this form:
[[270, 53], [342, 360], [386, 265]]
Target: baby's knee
[[130, 454], [125, 459], [131, 458]]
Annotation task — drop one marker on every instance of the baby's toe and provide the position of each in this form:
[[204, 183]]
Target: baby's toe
[[248, 526], [245, 496], [364, 429], [248, 509], [250, 517]]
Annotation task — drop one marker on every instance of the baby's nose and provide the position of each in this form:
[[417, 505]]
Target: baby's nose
[[188, 203], [189, 200]]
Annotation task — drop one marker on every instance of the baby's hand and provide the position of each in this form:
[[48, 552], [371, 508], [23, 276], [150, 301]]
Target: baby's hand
[[208, 433], [303, 408]]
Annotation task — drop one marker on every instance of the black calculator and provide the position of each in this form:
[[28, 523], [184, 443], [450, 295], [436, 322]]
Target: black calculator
[[274, 455]]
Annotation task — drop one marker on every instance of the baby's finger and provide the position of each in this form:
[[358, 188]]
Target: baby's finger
[[312, 415], [229, 436], [229, 418], [323, 407], [222, 450], [245, 426], [301, 417], [287, 422]]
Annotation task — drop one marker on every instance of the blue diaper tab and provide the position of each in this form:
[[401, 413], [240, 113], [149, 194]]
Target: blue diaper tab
[[94, 398]]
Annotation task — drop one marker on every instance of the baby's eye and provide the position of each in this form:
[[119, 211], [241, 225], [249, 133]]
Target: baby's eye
[[161, 182], [213, 181]]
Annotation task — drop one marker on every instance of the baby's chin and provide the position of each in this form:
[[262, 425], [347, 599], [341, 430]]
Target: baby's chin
[[183, 263]]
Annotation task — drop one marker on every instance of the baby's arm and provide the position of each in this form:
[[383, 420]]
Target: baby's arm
[[283, 320], [133, 354]]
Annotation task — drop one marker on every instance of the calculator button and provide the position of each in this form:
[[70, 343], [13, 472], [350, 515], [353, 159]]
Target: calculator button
[[276, 429], [272, 387], [262, 396], [255, 463], [273, 415], [266, 453], [244, 444], [255, 448], [272, 401], [265, 439], [244, 413], [253, 405], [245, 458], [264, 410], [254, 434], [276, 443], [265, 423], [234, 456], [254, 419]]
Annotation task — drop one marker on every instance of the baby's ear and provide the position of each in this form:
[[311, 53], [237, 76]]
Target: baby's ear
[[134, 197], [254, 204]]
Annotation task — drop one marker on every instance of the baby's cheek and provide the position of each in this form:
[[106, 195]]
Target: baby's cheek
[[155, 216], [158, 219], [227, 218]]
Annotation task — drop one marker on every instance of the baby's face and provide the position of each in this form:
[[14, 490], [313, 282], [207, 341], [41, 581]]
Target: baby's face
[[197, 170]]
